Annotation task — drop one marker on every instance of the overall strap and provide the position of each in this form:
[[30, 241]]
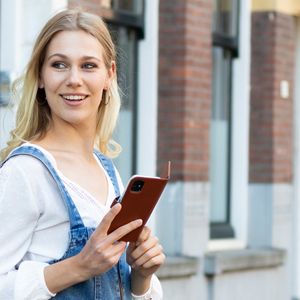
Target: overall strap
[[74, 216], [110, 169]]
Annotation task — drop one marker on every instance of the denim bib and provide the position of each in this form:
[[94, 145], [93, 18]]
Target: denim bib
[[111, 285]]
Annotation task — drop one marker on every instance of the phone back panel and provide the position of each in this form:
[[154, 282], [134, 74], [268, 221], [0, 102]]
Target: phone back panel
[[138, 204]]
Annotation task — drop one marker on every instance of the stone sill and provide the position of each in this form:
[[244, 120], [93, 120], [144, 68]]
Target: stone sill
[[218, 262], [222, 261], [178, 266]]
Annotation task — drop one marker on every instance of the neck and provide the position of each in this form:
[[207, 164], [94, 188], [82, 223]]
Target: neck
[[78, 140]]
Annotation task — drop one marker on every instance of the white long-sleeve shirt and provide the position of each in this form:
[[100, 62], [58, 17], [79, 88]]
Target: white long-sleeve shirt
[[34, 225]]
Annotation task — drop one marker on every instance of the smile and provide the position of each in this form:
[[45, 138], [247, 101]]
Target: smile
[[74, 97]]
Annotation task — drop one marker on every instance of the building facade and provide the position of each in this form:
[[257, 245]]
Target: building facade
[[210, 85]]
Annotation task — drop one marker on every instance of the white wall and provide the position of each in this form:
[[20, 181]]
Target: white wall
[[147, 95], [33, 17], [240, 126], [263, 284], [147, 92], [10, 33]]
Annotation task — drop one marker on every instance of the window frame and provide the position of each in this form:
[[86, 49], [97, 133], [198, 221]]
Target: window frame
[[231, 43], [125, 18], [136, 22]]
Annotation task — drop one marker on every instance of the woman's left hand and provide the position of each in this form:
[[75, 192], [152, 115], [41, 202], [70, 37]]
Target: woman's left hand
[[146, 255]]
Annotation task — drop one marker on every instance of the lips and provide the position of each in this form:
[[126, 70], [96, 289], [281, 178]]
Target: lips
[[73, 97]]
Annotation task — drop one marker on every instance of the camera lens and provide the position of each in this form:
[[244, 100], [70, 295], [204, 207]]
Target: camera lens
[[137, 186]]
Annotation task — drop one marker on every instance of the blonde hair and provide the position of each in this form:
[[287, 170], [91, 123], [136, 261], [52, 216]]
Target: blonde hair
[[34, 115]]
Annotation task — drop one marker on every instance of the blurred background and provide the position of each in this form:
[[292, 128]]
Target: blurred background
[[210, 85]]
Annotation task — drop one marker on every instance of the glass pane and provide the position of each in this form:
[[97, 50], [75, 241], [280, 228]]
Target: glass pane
[[225, 17], [133, 6], [220, 135], [125, 40]]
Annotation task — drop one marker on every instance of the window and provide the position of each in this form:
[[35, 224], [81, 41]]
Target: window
[[125, 19], [225, 41], [130, 6], [128, 13], [125, 134]]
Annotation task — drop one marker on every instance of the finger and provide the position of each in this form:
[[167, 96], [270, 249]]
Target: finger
[[154, 261], [106, 253], [144, 235], [107, 220], [116, 248], [147, 256], [144, 247], [123, 230], [113, 260]]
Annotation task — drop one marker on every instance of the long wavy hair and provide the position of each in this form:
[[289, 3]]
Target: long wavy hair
[[33, 114]]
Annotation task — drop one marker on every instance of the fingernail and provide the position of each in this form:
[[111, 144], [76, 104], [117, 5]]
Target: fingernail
[[117, 205], [139, 222]]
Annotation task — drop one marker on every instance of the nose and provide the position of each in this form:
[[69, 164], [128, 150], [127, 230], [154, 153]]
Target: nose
[[74, 78]]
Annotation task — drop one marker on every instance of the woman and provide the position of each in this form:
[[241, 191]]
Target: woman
[[56, 189]]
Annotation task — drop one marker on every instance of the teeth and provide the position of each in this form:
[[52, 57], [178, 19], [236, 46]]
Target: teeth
[[74, 97]]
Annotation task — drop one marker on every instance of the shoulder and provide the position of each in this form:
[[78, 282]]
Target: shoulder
[[24, 179], [26, 160], [24, 170], [23, 164], [18, 185]]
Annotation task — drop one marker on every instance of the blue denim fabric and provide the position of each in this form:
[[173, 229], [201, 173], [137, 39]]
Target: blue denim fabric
[[115, 283]]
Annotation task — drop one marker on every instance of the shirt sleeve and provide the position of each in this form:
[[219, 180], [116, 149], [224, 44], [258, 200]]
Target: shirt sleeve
[[19, 213], [154, 293], [31, 287]]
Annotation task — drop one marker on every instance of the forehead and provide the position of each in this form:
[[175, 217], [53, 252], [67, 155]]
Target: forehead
[[75, 43]]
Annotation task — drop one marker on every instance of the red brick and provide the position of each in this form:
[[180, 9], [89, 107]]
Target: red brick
[[271, 126], [184, 107]]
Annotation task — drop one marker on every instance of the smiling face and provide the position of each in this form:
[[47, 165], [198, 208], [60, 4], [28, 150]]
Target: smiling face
[[74, 77]]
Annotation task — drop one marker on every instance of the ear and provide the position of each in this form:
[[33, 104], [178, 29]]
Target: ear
[[110, 75]]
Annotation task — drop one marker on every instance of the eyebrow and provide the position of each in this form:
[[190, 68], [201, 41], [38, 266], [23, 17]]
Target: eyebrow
[[66, 57]]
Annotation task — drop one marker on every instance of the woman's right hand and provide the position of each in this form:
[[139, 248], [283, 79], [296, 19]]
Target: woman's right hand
[[101, 252]]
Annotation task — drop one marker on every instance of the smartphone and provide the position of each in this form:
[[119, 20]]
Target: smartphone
[[138, 201]]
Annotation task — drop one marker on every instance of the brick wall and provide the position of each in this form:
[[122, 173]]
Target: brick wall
[[273, 56], [185, 87]]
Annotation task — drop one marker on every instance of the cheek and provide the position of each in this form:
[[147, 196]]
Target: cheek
[[52, 81], [98, 85]]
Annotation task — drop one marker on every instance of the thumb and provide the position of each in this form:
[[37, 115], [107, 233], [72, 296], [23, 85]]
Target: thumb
[[103, 227]]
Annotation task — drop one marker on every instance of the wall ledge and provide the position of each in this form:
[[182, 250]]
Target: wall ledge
[[178, 266], [218, 262]]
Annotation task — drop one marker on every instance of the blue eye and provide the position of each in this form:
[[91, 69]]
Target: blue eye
[[59, 65]]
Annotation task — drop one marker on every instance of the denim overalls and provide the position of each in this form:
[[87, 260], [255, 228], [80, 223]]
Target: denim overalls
[[115, 283]]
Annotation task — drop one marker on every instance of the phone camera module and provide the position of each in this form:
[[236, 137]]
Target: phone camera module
[[137, 186]]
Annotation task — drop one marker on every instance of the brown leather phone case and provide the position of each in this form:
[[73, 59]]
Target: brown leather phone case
[[138, 201]]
